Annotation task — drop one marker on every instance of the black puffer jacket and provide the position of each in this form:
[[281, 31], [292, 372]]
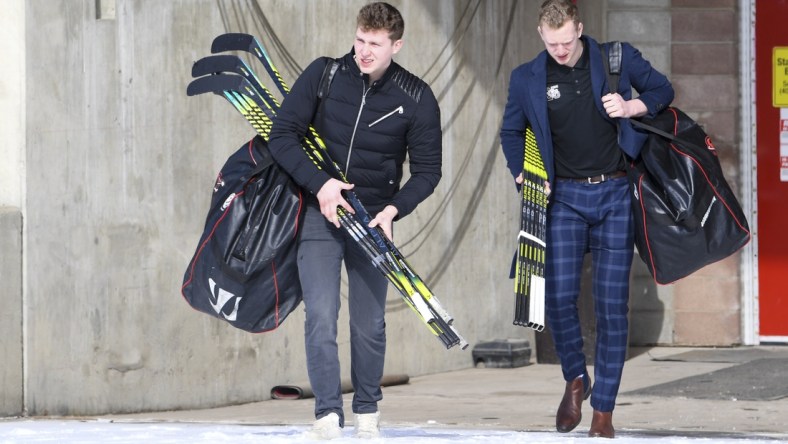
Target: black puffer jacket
[[368, 131]]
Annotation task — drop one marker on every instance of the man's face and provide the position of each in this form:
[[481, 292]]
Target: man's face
[[563, 44], [374, 50]]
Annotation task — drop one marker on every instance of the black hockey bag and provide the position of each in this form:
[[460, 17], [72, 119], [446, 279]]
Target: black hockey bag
[[686, 215], [244, 270]]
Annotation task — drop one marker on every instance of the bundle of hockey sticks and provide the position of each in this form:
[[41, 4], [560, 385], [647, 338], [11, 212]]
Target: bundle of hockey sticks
[[230, 77], [529, 288]]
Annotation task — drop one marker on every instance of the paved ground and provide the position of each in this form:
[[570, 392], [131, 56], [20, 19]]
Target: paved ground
[[666, 391]]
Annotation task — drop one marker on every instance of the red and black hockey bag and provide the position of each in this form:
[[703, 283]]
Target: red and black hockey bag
[[244, 270], [686, 215]]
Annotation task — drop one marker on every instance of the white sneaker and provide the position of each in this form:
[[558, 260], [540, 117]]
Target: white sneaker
[[368, 425], [325, 428]]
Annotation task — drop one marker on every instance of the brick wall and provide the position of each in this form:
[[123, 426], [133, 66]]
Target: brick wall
[[695, 43], [646, 25], [704, 72]]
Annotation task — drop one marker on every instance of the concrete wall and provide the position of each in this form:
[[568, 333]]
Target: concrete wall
[[119, 165], [12, 173], [11, 348], [12, 102]]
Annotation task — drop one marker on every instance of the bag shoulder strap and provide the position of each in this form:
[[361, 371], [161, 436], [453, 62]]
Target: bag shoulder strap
[[612, 64], [327, 78], [325, 84], [665, 134], [655, 130]]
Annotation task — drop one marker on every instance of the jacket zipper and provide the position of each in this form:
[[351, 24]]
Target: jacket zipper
[[365, 90], [398, 110]]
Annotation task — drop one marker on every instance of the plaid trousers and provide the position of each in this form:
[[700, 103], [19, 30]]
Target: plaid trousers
[[593, 218]]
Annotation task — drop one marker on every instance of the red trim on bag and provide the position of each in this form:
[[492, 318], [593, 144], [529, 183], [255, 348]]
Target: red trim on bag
[[706, 176], [210, 236], [251, 152], [675, 121], [276, 288], [713, 188], [202, 246]]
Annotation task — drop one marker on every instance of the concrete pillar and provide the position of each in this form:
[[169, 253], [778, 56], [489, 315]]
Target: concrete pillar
[[12, 173], [11, 372], [12, 102]]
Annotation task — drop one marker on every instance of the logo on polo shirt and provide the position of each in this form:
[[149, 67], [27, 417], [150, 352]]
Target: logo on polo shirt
[[553, 93]]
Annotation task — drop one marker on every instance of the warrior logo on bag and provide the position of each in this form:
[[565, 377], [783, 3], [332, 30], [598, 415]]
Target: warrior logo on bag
[[223, 298]]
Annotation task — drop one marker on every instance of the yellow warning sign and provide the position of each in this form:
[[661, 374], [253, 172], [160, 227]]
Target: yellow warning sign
[[780, 87]]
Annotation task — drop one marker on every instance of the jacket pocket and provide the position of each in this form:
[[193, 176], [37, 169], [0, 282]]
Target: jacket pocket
[[398, 110]]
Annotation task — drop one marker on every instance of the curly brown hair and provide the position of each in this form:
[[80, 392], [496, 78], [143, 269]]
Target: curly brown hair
[[381, 16], [554, 13]]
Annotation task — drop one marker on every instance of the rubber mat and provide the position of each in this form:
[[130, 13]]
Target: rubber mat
[[735, 355], [763, 379]]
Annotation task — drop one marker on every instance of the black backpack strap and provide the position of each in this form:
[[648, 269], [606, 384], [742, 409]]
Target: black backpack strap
[[613, 67], [612, 64], [325, 84], [327, 78]]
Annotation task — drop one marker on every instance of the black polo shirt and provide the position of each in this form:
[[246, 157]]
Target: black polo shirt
[[584, 143]]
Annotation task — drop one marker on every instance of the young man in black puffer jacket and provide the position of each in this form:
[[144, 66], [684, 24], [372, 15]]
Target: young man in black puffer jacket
[[374, 115]]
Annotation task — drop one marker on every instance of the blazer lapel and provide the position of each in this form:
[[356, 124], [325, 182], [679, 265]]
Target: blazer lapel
[[537, 87]]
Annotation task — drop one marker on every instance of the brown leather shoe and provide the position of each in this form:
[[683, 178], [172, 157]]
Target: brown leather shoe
[[602, 425], [569, 412]]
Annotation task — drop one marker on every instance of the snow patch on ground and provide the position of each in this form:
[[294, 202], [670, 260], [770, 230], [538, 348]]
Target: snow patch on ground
[[103, 432]]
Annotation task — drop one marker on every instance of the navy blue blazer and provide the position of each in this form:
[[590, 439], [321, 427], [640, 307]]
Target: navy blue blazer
[[527, 102]]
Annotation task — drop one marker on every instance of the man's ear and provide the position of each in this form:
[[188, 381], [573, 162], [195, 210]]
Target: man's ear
[[397, 46], [579, 29]]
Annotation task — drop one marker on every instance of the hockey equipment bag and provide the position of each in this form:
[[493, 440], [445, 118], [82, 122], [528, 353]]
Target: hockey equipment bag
[[244, 270], [686, 215]]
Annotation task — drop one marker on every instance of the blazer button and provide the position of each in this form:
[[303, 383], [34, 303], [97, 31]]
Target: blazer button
[[391, 182]]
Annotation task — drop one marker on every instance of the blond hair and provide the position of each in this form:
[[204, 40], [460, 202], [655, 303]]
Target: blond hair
[[554, 13]]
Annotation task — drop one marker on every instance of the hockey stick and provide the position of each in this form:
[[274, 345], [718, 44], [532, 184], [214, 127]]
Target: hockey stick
[[250, 44], [529, 275], [248, 102]]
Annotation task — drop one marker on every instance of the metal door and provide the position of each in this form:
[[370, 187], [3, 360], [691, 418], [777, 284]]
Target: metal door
[[771, 98]]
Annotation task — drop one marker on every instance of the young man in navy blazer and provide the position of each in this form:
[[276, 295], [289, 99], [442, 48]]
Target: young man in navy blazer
[[583, 133]]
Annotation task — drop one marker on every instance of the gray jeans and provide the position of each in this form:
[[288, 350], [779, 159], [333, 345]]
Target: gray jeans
[[321, 251]]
